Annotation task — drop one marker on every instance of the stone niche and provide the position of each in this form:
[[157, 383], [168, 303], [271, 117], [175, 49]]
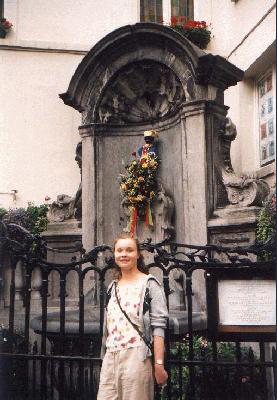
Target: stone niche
[[147, 76]]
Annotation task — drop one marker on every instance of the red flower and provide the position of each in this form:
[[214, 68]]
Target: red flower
[[174, 20], [6, 24], [134, 154], [190, 23], [182, 18]]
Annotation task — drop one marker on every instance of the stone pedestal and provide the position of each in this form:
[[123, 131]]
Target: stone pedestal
[[64, 236], [233, 226]]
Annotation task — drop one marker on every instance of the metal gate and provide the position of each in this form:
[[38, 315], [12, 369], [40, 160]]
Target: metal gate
[[63, 363]]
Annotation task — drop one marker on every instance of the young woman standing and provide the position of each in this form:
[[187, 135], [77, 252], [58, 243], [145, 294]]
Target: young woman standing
[[136, 317]]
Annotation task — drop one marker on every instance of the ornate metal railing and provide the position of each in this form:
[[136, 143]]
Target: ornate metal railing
[[53, 352]]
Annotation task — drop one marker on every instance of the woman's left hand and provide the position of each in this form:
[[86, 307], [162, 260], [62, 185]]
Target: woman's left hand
[[161, 375]]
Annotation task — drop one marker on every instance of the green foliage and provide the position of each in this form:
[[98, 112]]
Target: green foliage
[[266, 224], [198, 36], [33, 218], [211, 382], [3, 211]]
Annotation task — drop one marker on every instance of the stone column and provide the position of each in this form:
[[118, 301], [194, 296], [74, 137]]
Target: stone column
[[89, 202], [194, 172], [199, 142], [89, 191]]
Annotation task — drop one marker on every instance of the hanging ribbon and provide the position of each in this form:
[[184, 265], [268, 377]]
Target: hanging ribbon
[[132, 221], [148, 215]]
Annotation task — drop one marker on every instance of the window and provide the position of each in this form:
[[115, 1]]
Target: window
[[157, 10], [182, 8], [151, 11], [1, 9], [266, 116]]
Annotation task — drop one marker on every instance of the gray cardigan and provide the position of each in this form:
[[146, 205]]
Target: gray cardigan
[[153, 314]]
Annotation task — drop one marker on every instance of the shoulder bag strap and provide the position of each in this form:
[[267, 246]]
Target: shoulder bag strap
[[131, 322]]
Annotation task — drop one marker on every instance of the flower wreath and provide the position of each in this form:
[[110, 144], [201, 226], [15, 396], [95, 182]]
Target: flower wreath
[[139, 188]]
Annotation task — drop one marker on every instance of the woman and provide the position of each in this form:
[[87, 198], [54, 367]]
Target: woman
[[136, 316]]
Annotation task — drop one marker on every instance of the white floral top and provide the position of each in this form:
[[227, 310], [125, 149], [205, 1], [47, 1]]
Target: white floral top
[[121, 334]]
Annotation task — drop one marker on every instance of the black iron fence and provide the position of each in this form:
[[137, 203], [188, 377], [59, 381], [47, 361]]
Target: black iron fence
[[53, 352]]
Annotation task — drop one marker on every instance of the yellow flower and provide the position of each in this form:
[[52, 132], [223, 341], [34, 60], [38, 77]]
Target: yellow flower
[[152, 194], [141, 179], [153, 163], [144, 165], [140, 197], [123, 186]]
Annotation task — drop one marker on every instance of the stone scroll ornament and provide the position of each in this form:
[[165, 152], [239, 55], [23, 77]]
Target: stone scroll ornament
[[243, 190], [138, 186]]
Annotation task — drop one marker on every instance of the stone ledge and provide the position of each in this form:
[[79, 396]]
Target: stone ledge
[[67, 228], [231, 216]]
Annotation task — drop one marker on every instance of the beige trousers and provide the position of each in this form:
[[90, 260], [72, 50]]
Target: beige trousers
[[124, 377]]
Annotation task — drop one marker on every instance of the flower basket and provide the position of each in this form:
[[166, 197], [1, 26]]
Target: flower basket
[[5, 26], [195, 31]]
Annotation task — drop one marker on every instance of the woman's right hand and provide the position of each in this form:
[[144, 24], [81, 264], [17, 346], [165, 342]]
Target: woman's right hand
[[161, 375]]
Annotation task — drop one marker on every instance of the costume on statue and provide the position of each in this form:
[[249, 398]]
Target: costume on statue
[[149, 148]]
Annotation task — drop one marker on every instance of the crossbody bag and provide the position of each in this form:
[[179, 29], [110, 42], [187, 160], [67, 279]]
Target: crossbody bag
[[148, 344]]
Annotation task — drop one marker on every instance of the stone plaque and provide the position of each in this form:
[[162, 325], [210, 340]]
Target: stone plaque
[[247, 302]]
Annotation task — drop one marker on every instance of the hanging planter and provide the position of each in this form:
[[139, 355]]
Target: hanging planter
[[196, 31], [5, 26]]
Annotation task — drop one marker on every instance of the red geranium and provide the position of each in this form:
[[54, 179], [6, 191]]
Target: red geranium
[[5, 23], [174, 20]]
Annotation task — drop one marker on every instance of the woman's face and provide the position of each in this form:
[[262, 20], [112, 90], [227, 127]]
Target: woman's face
[[126, 254]]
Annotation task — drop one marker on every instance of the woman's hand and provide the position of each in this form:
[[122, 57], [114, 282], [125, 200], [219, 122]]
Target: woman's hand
[[161, 375]]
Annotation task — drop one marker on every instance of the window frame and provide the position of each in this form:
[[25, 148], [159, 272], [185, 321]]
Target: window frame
[[142, 14], [260, 163], [1, 9], [166, 10], [186, 6]]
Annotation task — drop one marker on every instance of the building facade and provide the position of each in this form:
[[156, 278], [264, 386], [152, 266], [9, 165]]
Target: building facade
[[47, 41]]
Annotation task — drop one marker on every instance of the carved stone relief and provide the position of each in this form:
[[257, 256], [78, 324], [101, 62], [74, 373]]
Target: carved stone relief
[[67, 207], [143, 92], [242, 190]]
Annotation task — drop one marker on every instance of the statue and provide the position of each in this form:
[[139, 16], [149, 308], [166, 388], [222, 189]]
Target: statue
[[139, 185], [67, 207], [144, 198], [150, 147]]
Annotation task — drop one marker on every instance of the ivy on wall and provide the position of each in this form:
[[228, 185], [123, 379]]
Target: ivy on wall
[[33, 218]]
